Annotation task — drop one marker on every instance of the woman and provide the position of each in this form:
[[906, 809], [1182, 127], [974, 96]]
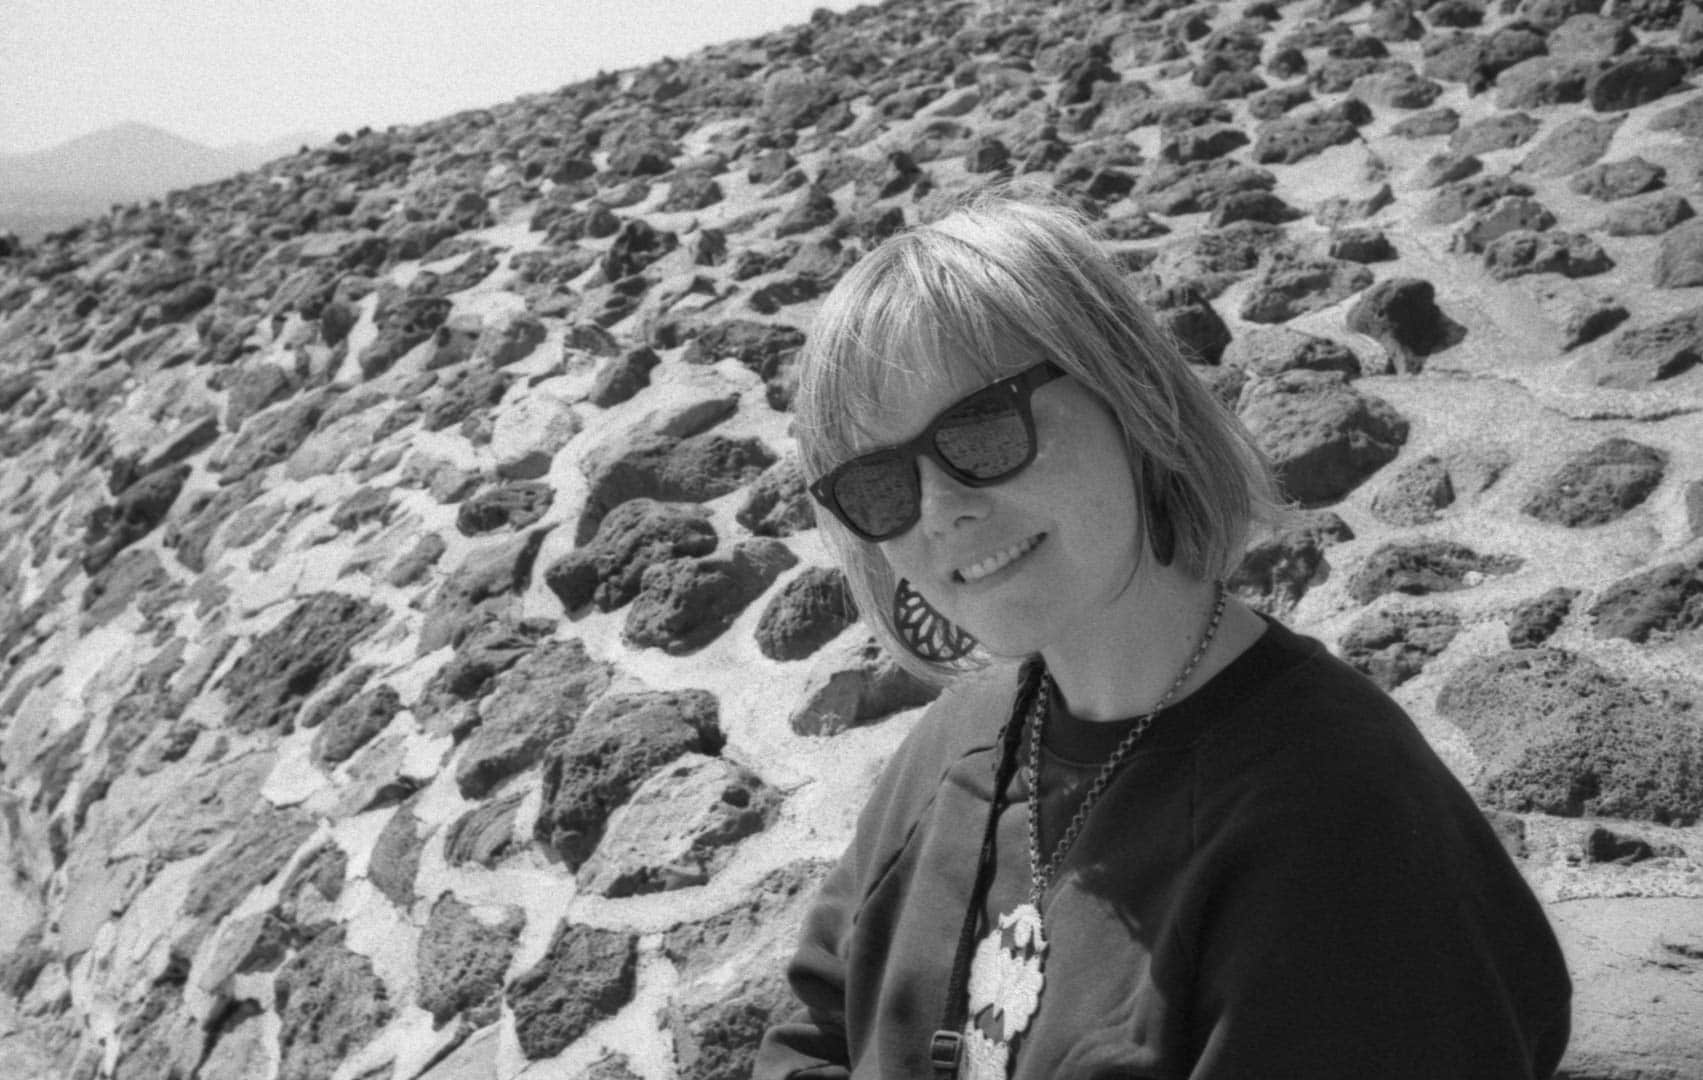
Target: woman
[[1244, 860]]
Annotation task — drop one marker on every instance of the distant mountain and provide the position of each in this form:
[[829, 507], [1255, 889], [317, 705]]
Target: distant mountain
[[52, 188]]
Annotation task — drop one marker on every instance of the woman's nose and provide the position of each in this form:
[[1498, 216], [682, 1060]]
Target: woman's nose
[[945, 502]]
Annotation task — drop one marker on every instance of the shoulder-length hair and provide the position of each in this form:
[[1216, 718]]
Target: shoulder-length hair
[[998, 284]]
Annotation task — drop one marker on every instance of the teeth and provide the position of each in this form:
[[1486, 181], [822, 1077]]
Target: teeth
[[994, 562]]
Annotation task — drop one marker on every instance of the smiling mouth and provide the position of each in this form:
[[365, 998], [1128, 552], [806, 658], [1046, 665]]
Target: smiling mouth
[[998, 561]]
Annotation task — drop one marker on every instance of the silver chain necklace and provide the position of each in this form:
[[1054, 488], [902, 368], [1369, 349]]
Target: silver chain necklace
[[1006, 977]]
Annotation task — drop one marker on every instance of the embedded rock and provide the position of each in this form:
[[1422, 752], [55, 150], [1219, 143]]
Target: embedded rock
[[490, 580], [678, 827], [529, 434], [1598, 485], [354, 723], [1635, 78], [660, 467], [1542, 81], [462, 958], [1646, 355], [1322, 436], [330, 1004], [483, 835], [1515, 213], [1665, 599], [778, 502], [621, 740], [1499, 131], [1424, 566], [1402, 315], [622, 377], [1532, 623], [1679, 259], [806, 614], [1271, 350], [684, 604], [260, 846], [1456, 200], [853, 683], [530, 706], [1571, 146], [490, 645], [513, 504], [401, 326], [1290, 285], [1521, 252], [135, 576], [1391, 646], [1648, 215], [636, 535], [269, 438], [1276, 571], [1610, 180], [586, 975], [266, 687], [1557, 734], [1414, 495], [395, 857], [1294, 138]]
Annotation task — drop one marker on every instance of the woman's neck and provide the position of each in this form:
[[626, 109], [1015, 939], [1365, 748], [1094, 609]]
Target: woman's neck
[[1123, 663]]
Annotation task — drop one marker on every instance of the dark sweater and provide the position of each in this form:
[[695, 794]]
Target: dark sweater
[[1282, 881]]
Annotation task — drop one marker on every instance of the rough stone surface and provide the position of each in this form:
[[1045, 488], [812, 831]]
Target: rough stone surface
[[1646, 355], [483, 835], [1424, 566], [1679, 259], [1532, 622], [1664, 599], [268, 683], [1271, 350], [810, 610], [395, 858], [1415, 494], [531, 705], [512, 505], [656, 466], [683, 604], [853, 683], [1598, 485], [351, 725], [587, 975], [636, 535], [1392, 645], [1557, 734], [488, 582], [778, 503], [330, 1004], [462, 958], [620, 741], [1276, 571], [1288, 286], [1323, 437], [679, 827], [1401, 314]]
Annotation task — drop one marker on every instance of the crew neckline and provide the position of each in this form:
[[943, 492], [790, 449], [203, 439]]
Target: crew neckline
[[1072, 740]]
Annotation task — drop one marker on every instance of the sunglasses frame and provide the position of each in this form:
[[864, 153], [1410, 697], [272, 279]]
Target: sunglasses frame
[[1019, 388]]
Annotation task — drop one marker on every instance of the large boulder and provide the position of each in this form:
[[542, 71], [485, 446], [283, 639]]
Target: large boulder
[[1323, 437]]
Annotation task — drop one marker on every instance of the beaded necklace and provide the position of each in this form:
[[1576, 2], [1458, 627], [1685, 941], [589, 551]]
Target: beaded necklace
[[1006, 977]]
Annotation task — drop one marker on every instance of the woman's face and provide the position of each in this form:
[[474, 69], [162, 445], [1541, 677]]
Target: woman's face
[[1028, 564]]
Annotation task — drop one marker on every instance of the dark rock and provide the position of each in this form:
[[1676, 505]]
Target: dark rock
[[1201, 143], [1570, 146], [462, 959], [490, 644], [1322, 436], [1440, 169], [1395, 88], [1457, 200], [1192, 322], [485, 834], [330, 1004], [1607, 846], [254, 388], [259, 848], [395, 858], [1501, 131], [1665, 599], [1276, 572], [514, 504], [1278, 101], [587, 975], [1591, 319], [417, 562], [1415, 494], [1516, 213], [1270, 350], [1361, 245], [620, 741], [112, 528], [636, 535], [1392, 646], [1543, 81], [1424, 566], [1532, 623], [1252, 206], [1522, 252], [635, 247], [530, 706], [1557, 734], [1650, 215], [684, 604], [1591, 37], [1401, 314], [1423, 125], [1679, 259], [1477, 59], [1289, 285], [1294, 138], [778, 503], [465, 393], [812, 209], [623, 377], [1546, 15], [853, 683], [269, 438], [1685, 119], [694, 469], [266, 686], [1598, 485], [490, 580], [1646, 355], [1198, 186], [813, 608], [692, 191], [1635, 78], [402, 326], [353, 724]]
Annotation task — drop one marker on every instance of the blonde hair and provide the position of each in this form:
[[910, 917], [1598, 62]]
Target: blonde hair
[[1001, 283]]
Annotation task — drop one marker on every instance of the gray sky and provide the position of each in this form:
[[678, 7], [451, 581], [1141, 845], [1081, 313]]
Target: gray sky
[[226, 71]]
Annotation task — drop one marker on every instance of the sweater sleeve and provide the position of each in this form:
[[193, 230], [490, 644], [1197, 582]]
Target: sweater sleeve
[[1371, 927]]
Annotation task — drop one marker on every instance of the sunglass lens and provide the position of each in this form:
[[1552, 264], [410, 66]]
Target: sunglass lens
[[984, 437], [879, 497]]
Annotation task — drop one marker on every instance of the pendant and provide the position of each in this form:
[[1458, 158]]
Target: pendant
[[1005, 990]]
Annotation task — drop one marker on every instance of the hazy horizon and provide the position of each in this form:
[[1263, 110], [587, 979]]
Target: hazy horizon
[[221, 73]]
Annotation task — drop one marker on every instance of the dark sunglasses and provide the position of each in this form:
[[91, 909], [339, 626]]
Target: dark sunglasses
[[981, 440]]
